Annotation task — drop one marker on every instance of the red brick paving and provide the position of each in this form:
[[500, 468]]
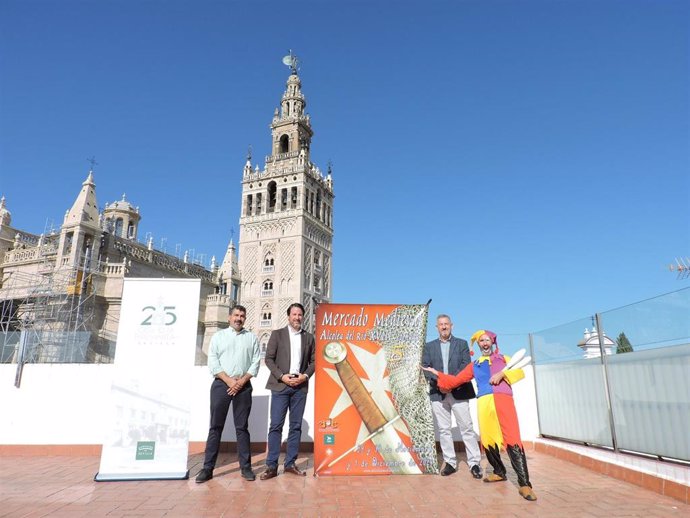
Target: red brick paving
[[32, 486]]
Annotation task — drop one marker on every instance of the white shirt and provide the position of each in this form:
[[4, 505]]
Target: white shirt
[[295, 349]]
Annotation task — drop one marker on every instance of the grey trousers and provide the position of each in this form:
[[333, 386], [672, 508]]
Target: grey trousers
[[460, 408]]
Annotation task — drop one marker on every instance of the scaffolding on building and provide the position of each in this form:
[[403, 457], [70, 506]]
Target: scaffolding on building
[[46, 316]]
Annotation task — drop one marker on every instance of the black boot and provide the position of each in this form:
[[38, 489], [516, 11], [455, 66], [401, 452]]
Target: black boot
[[519, 463], [493, 455]]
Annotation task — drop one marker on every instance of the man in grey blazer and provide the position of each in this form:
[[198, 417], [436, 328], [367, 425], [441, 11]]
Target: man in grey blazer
[[290, 358], [450, 355]]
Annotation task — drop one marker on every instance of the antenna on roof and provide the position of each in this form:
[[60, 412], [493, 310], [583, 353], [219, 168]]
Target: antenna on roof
[[682, 266]]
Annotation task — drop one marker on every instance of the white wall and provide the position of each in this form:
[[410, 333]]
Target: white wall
[[67, 404]]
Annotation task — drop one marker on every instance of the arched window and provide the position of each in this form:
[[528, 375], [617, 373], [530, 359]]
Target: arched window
[[118, 227], [265, 316], [264, 343], [284, 144], [271, 196], [68, 243], [268, 263], [318, 204]]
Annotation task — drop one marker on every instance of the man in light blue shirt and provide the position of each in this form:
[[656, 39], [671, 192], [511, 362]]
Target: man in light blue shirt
[[233, 359]]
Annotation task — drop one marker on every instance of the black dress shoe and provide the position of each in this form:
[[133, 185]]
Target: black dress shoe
[[476, 471], [447, 470], [204, 476], [295, 471], [269, 473], [248, 474]]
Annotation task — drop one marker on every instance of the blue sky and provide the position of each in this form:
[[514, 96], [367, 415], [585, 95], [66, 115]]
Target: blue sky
[[523, 164]]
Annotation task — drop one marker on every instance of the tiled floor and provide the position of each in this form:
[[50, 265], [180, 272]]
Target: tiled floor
[[665, 470], [64, 487]]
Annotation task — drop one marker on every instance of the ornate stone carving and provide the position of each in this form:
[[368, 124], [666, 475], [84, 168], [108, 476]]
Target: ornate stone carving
[[326, 275], [318, 235], [307, 302], [140, 253], [307, 265], [251, 263]]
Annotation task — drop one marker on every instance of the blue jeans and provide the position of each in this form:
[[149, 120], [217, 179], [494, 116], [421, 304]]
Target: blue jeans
[[292, 399]]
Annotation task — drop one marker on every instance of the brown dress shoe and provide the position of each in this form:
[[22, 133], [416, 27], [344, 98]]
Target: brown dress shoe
[[295, 471], [269, 473], [527, 493]]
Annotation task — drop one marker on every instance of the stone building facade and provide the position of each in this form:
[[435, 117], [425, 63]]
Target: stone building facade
[[286, 223], [70, 281]]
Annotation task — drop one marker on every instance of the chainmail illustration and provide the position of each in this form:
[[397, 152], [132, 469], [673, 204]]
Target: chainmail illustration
[[402, 336]]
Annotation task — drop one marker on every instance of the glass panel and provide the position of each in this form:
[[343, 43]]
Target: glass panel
[[650, 387], [652, 323], [572, 404], [569, 379], [651, 403]]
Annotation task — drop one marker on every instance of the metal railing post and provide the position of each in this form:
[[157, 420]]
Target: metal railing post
[[607, 387], [534, 379]]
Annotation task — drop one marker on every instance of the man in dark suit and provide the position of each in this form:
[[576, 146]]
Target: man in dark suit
[[290, 358], [450, 355]]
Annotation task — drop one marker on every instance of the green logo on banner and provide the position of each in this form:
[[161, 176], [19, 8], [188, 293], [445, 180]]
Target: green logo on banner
[[329, 438], [158, 315], [146, 450]]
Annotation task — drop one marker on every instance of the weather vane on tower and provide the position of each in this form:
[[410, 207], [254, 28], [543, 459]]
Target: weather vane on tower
[[291, 61], [92, 161]]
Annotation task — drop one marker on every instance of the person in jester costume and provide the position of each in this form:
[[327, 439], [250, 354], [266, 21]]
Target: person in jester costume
[[498, 422]]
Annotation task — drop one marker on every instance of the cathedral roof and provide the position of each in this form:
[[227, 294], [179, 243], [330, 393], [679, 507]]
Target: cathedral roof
[[121, 205], [85, 207]]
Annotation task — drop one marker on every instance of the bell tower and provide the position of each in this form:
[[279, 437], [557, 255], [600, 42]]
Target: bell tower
[[286, 221]]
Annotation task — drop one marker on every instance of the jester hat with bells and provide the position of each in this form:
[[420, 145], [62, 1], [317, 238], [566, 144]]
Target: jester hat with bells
[[492, 336]]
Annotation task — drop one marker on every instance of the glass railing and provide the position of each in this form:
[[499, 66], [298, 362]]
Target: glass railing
[[631, 393], [571, 394]]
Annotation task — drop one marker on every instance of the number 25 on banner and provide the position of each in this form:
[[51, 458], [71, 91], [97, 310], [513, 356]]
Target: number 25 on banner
[[152, 314]]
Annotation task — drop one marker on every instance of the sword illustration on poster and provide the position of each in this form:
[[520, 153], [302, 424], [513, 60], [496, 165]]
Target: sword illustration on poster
[[373, 414]]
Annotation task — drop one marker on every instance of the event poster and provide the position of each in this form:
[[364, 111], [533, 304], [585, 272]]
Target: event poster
[[147, 425], [372, 414]]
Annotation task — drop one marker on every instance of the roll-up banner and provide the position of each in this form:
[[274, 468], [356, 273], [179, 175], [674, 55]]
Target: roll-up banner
[[371, 403], [147, 428]]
